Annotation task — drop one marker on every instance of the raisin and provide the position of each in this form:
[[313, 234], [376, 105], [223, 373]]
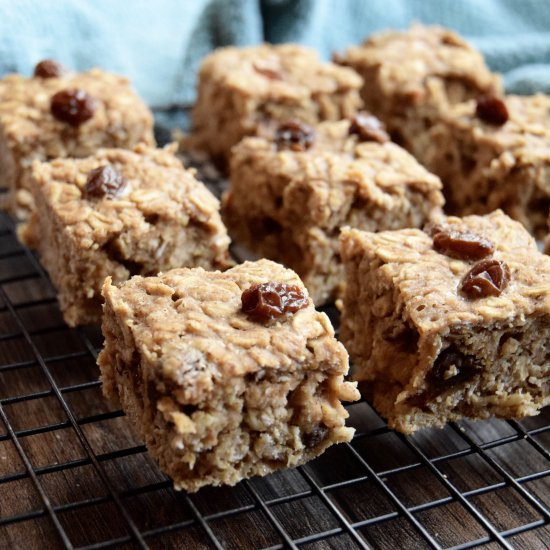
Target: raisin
[[316, 436], [368, 128], [104, 181], [493, 110], [451, 369], [48, 68], [267, 301], [294, 135], [486, 278], [462, 245], [74, 107]]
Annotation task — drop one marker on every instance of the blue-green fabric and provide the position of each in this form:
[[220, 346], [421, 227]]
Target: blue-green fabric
[[159, 43]]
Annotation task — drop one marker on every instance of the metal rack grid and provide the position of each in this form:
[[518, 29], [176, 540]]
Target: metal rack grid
[[73, 474]]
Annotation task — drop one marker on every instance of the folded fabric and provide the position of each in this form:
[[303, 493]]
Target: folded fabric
[[513, 35], [159, 44]]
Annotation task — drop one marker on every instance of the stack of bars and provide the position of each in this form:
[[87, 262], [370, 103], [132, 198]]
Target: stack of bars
[[443, 317], [398, 182]]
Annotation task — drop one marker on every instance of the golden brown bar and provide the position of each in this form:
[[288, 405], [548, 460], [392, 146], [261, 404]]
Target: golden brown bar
[[288, 202], [218, 395], [486, 165], [119, 213], [448, 324], [243, 91], [411, 77]]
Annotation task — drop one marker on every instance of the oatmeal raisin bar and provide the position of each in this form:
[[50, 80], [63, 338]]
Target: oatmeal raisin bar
[[449, 323], [225, 375], [411, 77], [290, 195], [241, 90], [57, 113], [495, 154], [119, 213]]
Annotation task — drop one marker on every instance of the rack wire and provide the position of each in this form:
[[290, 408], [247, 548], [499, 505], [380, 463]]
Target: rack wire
[[74, 475]]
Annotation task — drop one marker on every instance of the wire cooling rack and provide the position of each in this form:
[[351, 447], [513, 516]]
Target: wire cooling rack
[[74, 475]]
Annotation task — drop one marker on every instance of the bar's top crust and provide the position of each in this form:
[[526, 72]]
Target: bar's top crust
[[159, 191], [407, 59], [25, 116], [275, 72], [427, 282], [339, 167], [523, 138], [189, 323]]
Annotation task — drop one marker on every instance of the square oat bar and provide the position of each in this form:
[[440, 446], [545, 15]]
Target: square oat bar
[[57, 113], [119, 213], [449, 323], [242, 90], [412, 76], [290, 195], [495, 154], [225, 375]]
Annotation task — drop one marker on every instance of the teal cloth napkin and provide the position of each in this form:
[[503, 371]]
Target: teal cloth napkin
[[158, 44]]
